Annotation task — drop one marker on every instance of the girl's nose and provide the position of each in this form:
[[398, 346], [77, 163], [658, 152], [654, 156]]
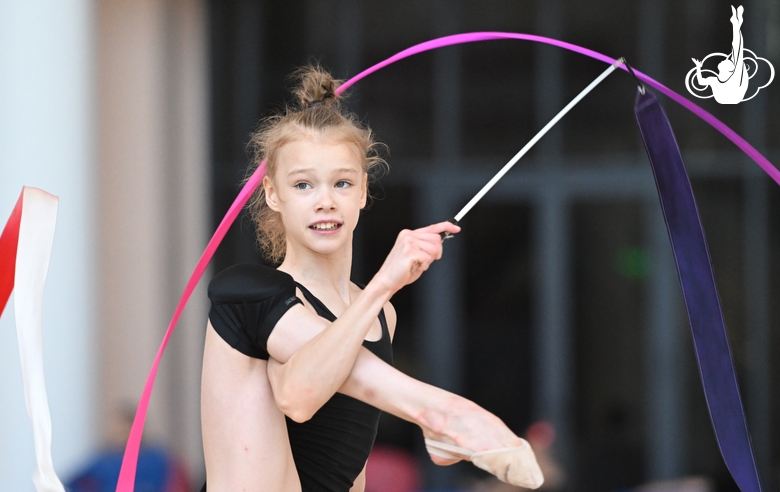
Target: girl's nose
[[325, 200]]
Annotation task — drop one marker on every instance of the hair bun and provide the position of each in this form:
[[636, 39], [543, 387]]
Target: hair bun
[[315, 86]]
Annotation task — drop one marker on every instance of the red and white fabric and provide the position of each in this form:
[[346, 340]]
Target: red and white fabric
[[25, 249]]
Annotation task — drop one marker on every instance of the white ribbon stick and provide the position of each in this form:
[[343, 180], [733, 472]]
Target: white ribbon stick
[[538, 136], [36, 234]]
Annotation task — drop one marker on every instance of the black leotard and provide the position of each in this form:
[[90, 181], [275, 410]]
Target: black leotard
[[332, 447]]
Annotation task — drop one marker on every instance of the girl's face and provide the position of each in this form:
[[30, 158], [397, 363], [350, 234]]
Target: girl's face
[[319, 188]]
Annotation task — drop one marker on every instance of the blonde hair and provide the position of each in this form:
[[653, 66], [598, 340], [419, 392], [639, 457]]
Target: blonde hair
[[317, 112]]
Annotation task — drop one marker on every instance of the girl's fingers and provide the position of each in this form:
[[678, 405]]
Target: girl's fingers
[[417, 250], [445, 226], [428, 242], [422, 257], [420, 265], [431, 247]]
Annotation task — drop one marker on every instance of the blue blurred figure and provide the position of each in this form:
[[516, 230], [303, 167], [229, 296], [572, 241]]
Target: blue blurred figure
[[157, 472]]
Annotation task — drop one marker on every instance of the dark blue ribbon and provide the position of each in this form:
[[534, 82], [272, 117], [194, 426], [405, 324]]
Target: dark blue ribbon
[[691, 255]]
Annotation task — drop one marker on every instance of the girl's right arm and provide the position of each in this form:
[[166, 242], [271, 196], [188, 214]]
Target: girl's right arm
[[440, 414]]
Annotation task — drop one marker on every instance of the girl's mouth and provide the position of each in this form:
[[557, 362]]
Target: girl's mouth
[[325, 226]]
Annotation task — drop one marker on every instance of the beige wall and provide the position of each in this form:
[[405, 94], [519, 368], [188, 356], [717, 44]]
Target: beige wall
[[153, 213]]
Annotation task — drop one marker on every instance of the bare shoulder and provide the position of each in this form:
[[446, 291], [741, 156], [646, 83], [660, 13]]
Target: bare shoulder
[[391, 317], [296, 327]]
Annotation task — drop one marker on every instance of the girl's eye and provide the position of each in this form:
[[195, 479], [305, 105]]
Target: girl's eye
[[343, 184], [303, 185]]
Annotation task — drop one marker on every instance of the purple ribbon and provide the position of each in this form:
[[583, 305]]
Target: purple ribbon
[[694, 269]]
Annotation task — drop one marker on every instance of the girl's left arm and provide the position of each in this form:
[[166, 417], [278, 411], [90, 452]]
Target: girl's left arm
[[315, 357]]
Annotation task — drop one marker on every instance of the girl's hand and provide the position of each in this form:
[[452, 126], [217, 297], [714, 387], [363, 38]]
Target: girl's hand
[[412, 254]]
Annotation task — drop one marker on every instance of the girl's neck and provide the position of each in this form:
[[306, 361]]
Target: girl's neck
[[317, 271]]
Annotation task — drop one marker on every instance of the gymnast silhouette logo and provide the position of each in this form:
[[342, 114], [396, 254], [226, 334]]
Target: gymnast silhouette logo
[[730, 84]]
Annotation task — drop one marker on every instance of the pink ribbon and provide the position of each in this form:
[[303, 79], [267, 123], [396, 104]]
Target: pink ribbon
[[487, 36], [127, 474]]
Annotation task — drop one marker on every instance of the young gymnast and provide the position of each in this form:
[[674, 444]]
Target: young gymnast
[[297, 362]]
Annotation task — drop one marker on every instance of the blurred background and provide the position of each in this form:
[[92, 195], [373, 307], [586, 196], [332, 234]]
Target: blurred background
[[557, 308]]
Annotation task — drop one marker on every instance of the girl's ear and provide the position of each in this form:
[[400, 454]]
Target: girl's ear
[[364, 190], [270, 194]]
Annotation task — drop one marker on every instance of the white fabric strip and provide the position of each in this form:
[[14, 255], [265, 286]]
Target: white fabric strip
[[536, 138], [36, 234]]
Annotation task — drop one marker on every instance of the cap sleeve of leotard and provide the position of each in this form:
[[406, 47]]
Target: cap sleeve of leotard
[[246, 303]]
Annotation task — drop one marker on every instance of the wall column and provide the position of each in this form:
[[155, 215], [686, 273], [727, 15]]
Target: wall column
[[757, 392], [664, 365], [153, 157]]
